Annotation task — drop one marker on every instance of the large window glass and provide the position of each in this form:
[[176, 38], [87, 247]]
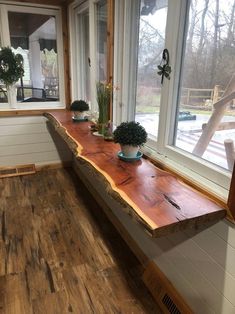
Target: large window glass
[[190, 119], [35, 33], [34, 36], [101, 18], [82, 54], [152, 25], [206, 105]]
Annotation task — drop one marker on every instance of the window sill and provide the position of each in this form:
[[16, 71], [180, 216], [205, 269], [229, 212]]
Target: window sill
[[154, 198], [24, 112], [190, 177]]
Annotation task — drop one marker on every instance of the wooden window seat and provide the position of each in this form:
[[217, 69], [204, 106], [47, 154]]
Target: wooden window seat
[[154, 198]]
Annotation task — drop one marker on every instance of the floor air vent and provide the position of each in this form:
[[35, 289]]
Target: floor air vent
[[170, 305], [166, 296], [17, 170]]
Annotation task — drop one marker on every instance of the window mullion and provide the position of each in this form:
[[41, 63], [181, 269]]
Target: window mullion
[[125, 59], [93, 45], [118, 57], [5, 34], [174, 43], [130, 54]]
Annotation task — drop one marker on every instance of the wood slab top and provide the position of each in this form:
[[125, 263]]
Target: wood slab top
[[155, 198]]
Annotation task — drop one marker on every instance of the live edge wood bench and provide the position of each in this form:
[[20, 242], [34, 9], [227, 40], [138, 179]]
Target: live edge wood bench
[[152, 197]]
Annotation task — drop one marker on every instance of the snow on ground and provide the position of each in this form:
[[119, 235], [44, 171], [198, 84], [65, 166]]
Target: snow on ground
[[189, 132]]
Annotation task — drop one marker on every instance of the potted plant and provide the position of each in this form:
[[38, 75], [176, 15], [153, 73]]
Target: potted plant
[[104, 93], [11, 70], [130, 135], [79, 108]]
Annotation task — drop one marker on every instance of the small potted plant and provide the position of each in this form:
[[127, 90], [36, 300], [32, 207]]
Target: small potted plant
[[130, 135], [11, 70], [79, 108], [104, 92]]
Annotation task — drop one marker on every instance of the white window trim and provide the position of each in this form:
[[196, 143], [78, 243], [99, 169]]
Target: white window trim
[[5, 40], [125, 59], [209, 176], [93, 55], [77, 87], [76, 65]]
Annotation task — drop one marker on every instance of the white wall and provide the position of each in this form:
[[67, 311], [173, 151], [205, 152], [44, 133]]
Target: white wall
[[25, 140], [201, 265]]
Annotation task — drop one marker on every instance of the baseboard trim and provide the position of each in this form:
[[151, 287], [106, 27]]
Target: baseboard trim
[[59, 165]]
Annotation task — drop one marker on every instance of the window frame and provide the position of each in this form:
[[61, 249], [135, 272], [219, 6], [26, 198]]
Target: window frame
[[76, 66], [91, 5], [5, 41]]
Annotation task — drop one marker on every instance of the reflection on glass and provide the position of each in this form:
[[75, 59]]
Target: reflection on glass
[[101, 18], [205, 124], [152, 26], [34, 37]]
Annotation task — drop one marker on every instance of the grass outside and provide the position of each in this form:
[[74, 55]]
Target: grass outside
[[148, 101], [155, 109]]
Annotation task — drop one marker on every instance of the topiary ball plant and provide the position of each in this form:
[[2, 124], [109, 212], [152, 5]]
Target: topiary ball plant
[[11, 66], [79, 105], [130, 135]]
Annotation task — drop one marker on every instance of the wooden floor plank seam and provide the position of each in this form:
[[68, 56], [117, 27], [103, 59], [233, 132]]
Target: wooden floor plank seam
[[60, 254]]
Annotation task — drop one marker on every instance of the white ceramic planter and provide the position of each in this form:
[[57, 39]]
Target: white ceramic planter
[[129, 150], [11, 95], [79, 114]]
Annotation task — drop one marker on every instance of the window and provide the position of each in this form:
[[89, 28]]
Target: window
[[89, 22], [175, 112], [203, 122], [81, 53], [101, 49], [35, 33], [152, 26]]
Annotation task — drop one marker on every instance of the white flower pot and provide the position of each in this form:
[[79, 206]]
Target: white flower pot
[[129, 150], [79, 114], [11, 95]]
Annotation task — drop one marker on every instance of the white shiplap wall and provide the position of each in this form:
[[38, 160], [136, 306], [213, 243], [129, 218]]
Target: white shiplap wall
[[201, 265], [26, 140]]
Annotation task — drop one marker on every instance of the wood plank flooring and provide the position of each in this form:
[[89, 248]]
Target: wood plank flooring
[[60, 254]]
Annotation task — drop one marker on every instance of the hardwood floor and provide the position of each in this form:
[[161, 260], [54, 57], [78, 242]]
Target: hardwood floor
[[60, 254]]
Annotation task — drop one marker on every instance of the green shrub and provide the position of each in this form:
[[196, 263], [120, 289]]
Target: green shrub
[[130, 133], [11, 66], [79, 105]]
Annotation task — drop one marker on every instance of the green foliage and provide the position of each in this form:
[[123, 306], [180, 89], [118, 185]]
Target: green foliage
[[104, 94], [79, 105], [130, 133], [11, 66]]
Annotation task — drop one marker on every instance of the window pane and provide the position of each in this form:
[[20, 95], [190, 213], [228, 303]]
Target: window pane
[[152, 26], [102, 40], [87, 55], [34, 37], [204, 120], [83, 55]]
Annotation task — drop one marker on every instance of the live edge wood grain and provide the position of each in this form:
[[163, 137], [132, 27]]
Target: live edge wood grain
[[154, 198]]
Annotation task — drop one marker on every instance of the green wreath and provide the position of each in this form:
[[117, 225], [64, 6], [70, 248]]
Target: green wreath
[[11, 66]]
